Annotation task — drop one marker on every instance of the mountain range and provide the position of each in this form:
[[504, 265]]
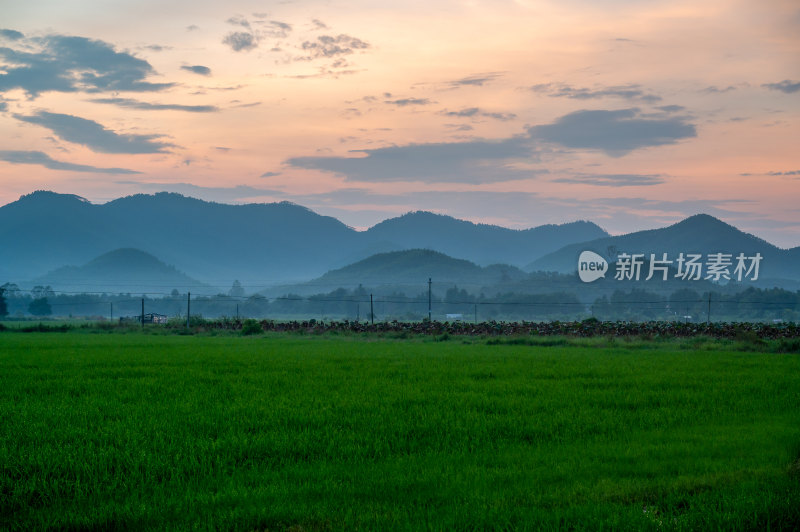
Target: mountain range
[[64, 240], [255, 243]]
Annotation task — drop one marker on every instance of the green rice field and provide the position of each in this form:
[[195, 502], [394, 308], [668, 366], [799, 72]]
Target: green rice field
[[279, 432]]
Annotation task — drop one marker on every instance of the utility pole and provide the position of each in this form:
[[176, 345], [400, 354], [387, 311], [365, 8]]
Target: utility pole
[[708, 317], [142, 313], [429, 299], [188, 307], [237, 311], [476, 313], [111, 311], [371, 310], [358, 312]]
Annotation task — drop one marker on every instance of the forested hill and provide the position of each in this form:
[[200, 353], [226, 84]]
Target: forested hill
[[256, 243]]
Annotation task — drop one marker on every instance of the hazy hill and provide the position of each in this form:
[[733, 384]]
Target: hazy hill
[[259, 244], [480, 243], [697, 234], [120, 271], [407, 271], [45, 230], [210, 241], [220, 242]]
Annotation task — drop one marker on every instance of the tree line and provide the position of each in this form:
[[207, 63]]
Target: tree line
[[453, 304]]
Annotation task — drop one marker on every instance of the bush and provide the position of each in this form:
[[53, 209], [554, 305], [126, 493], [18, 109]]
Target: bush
[[789, 345], [251, 326]]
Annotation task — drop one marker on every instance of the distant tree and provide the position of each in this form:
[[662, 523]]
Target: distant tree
[[40, 307], [686, 302], [454, 295], [11, 288], [40, 292], [174, 293], [236, 290], [3, 306]]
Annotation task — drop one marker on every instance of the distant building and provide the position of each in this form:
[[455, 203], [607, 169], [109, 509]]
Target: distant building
[[147, 318], [454, 316]]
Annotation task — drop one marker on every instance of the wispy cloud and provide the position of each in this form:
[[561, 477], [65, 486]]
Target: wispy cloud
[[253, 33], [276, 29], [626, 92], [403, 102], [197, 69], [788, 86], [478, 161], [239, 20], [484, 161], [615, 133], [713, 89], [323, 72], [475, 80], [460, 127], [614, 180], [503, 117], [62, 63], [463, 113], [156, 48], [94, 136], [671, 108], [790, 172], [147, 106], [241, 41], [330, 46], [42, 159], [473, 112], [11, 35]]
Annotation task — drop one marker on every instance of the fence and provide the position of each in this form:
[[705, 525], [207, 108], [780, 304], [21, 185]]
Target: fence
[[752, 305]]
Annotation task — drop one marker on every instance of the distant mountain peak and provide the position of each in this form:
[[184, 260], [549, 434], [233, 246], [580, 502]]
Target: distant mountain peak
[[130, 255], [411, 254], [708, 223], [702, 219], [700, 233], [50, 196], [159, 197]]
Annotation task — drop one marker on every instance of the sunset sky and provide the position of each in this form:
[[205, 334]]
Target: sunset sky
[[631, 113]]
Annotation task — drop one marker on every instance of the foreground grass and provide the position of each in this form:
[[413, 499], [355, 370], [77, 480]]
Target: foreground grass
[[270, 433]]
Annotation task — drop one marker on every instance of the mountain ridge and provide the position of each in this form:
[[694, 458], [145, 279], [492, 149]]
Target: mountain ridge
[[258, 242], [700, 233]]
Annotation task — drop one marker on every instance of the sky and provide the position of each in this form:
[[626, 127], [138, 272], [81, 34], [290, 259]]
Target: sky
[[633, 114]]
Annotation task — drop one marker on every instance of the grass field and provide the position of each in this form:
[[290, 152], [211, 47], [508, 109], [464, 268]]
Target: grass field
[[276, 432]]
